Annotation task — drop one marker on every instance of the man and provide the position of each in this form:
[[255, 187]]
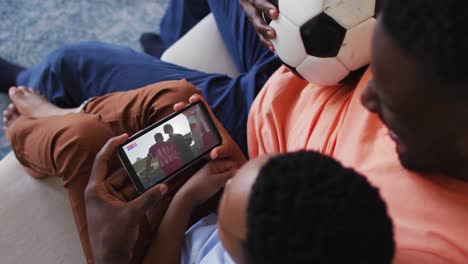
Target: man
[[166, 154], [184, 150], [416, 95], [429, 211]]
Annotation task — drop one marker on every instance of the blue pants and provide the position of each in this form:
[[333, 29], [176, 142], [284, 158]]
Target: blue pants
[[74, 73]]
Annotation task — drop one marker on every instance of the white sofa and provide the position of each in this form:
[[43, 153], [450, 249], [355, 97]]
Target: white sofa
[[36, 223]]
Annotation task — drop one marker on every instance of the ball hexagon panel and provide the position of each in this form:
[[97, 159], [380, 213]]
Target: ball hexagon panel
[[356, 49], [350, 13], [322, 36], [322, 71], [288, 42], [300, 11]]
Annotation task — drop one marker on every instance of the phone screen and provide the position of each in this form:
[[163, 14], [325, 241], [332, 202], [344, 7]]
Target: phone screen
[[164, 149]]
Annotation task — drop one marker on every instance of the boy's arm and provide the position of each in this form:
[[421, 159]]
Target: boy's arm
[[168, 240]]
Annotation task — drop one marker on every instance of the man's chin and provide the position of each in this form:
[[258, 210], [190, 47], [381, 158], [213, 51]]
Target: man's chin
[[413, 165], [406, 160]]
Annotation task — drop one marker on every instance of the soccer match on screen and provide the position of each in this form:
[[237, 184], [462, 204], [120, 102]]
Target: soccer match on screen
[[170, 146]]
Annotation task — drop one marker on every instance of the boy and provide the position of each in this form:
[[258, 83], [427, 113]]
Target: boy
[[293, 208]]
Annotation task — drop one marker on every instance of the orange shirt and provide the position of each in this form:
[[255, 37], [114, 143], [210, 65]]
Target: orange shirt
[[430, 213]]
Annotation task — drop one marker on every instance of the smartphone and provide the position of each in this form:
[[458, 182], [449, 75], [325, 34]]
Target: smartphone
[[168, 147]]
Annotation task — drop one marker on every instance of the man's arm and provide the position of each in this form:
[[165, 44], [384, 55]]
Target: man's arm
[[168, 240]]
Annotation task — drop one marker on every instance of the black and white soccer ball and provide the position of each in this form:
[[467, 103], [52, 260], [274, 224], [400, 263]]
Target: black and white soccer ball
[[323, 41]]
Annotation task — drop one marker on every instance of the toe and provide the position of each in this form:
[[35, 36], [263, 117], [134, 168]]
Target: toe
[[6, 113], [22, 89], [12, 90], [16, 92], [31, 90], [13, 109]]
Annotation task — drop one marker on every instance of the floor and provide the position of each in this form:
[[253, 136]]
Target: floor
[[31, 29]]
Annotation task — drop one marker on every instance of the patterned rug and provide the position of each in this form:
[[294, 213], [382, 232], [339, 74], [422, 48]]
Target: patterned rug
[[31, 29]]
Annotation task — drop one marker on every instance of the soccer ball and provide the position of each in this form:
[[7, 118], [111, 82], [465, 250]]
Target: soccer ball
[[323, 41]]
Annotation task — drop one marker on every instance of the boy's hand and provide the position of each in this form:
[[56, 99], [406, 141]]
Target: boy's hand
[[113, 224], [229, 149], [206, 182], [254, 9]]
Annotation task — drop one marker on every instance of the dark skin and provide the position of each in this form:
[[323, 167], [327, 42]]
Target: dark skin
[[254, 9], [427, 125]]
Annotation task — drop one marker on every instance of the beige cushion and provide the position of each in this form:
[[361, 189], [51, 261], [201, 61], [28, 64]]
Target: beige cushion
[[36, 222], [202, 48]]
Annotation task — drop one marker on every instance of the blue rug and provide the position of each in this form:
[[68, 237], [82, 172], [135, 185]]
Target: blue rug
[[31, 29]]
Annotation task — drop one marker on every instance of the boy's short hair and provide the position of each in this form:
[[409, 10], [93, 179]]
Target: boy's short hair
[[167, 128], [307, 208]]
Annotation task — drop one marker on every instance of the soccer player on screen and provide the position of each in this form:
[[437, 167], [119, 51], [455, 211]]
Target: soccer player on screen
[[185, 152], [166, 155]]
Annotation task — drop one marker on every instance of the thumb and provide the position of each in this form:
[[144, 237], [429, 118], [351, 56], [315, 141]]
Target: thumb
[[149, 199]]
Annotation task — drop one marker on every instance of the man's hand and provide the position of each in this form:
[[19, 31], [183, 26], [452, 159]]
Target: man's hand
[[113, 224], [254, 9], [229, 149]]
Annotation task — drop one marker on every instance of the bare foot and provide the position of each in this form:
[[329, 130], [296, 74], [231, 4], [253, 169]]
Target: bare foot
[[10, 116], [30, 103]]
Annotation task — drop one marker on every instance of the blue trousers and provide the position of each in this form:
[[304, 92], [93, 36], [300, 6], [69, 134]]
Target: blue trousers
[[74, 73]]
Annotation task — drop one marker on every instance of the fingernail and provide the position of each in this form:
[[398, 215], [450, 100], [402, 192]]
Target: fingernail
[[271, 12]]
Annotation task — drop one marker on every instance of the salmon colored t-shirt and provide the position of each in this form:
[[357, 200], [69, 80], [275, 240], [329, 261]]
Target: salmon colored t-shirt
[[430, 213]]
